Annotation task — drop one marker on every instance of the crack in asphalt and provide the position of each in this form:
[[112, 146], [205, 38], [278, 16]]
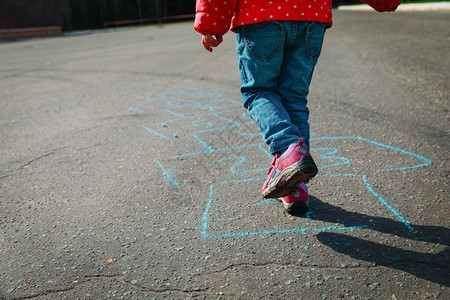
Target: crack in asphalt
[[51, 152], [233, 266], [103, 276], [163, 290], [27, 164], [35, 159], [53, 291], [45, 293], [374, 265], [118, 277]]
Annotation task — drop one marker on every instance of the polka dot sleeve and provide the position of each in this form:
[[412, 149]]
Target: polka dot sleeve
[[383, 5], [214, 16]]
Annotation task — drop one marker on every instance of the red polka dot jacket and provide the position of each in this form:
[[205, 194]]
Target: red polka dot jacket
[[218, 16]]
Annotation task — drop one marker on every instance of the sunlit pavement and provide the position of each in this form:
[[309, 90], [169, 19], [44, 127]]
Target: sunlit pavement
[[130, 170]]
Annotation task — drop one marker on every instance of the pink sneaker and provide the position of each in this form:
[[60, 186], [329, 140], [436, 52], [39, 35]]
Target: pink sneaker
[[294, 166], [297, 203]]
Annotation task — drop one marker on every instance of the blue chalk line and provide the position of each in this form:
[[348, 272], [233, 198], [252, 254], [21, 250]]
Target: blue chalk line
[[133, 109], [228, 120], [243, 180], [329, 156], [174, 113], [265, 202], [210, 150], [174, 183], [241, 160], [427, 161], [205, 215], [403, 220], [156, 133], [283, 231], [245, 133]]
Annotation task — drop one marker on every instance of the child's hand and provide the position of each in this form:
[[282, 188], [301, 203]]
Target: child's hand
[[209, 41]]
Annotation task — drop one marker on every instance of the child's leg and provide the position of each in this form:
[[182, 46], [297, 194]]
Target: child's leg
[[300, 57], [260, 55], [260, 50]]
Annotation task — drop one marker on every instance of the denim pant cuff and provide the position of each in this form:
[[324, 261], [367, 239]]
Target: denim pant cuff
[[282, 145]]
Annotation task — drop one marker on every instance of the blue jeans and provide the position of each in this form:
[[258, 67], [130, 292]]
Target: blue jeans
[[276, 62]]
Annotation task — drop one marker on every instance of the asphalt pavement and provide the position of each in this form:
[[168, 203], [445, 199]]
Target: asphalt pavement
[[130, 170]]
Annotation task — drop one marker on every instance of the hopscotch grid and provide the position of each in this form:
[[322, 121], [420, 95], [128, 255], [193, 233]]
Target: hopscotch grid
[[174, 101], [199, 115]]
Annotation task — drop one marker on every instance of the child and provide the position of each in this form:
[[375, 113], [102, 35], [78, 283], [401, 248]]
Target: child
[[278, 45]]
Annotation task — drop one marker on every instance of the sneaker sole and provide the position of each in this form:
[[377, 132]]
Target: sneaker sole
[[301, 171]]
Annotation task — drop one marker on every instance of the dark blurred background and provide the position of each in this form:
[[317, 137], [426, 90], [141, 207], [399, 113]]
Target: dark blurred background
[[73, 15], [89, 14]]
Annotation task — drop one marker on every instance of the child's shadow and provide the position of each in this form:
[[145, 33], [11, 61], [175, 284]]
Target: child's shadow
[[430, 266]]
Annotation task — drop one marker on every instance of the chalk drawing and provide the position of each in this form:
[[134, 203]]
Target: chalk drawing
[[134, 109], [220, 128], [156, 133], [241, 160], [174, 183]]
